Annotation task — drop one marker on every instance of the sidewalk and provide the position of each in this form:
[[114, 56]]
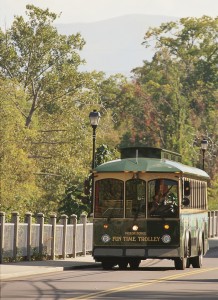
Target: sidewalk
[[26, 268]]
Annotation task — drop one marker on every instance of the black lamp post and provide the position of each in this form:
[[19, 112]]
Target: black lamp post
[[94, 117], [204, 145]]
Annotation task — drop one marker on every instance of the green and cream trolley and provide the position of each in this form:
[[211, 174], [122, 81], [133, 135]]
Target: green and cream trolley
[[149, 205]]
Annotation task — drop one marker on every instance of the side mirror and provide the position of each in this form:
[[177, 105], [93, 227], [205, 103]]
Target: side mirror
[[185, 201]]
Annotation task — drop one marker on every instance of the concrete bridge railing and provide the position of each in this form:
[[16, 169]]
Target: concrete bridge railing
[[39, 240]]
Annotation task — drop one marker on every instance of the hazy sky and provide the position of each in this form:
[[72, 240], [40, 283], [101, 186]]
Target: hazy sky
[[95, 10]]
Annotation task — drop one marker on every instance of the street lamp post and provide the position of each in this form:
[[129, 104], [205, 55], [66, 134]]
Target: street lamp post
[[204, 145], [94, 118]]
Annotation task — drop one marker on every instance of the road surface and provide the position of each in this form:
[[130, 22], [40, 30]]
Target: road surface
[[155, 279]]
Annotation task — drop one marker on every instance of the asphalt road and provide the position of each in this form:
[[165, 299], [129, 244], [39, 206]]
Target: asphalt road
[[154, 279]]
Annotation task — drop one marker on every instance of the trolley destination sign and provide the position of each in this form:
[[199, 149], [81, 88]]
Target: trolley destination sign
[[136, 239]]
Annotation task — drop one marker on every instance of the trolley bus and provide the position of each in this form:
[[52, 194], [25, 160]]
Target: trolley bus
[[148, 205]]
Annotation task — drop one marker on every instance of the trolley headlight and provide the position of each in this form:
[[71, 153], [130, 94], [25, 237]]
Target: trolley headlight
[[166, 226], [166, 238], [105, 226], [135, 227]]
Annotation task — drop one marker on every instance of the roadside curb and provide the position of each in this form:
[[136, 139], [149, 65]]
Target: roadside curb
[[42, 270], [29, 273]]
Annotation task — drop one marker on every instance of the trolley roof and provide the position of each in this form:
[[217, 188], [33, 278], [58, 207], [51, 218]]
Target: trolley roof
[[151, 165]]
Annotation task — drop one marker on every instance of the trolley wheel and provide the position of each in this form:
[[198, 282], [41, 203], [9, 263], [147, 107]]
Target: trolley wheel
[[123, 264], [197, 261], [107, 265], [184, 262], [134, 263], [188, 262], [180, 263]]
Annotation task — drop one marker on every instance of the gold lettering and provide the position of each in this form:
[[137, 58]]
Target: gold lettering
[[136, 238], [135, 233], [148, 238], [116, 239], [129, 239]]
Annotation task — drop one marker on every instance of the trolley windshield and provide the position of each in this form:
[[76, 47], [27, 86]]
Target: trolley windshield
[[115, 198]]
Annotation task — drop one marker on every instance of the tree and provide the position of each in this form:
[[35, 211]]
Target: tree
[[54, 104], [19, 190], [72, 203], [191, 44], [182, 82], [44, 62]]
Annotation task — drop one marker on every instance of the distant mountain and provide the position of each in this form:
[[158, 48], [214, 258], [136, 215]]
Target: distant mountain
[[114, 45]]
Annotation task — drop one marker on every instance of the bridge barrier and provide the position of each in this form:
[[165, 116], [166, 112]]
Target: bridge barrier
[[213, 223], [39, 241]]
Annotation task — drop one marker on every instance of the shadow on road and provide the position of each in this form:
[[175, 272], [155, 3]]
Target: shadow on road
[[212, 253]]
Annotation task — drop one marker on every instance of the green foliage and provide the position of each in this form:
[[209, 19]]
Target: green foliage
[[213, 194], [18, 187], [45, 102], [104, 154], [73, 202], [52, 127], [179, 86], [42, 60]]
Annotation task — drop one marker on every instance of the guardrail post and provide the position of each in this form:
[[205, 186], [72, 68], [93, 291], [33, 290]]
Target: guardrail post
[[209, 224], [53, 220], [213, 223], [2, 231], [64, 223], [28, 220], [15, 220], [73, 220], [84, 221], [216, 216], [40, 221]]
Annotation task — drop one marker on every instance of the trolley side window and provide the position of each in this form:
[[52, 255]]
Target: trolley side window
[[163, 198], [109, 201], [135, 198]]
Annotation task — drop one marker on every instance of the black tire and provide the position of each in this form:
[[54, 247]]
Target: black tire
[[183, 262], [123, 265], [188, 262], [197, 261], [134, 264], [107, 265], [180, 263]]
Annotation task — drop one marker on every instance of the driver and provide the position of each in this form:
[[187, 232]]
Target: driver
[[160, 197]]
